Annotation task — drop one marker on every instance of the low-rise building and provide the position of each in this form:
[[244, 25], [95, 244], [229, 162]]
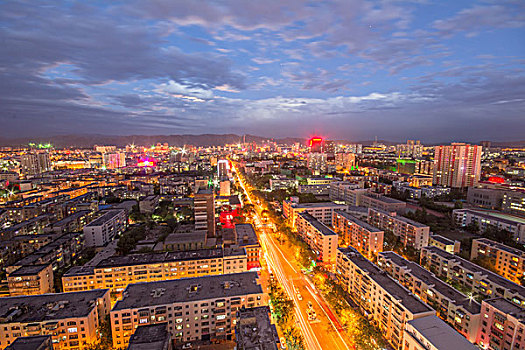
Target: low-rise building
[[151, 337], [321, 211], [389, 305], [149, 204], [71, 319], [31, 280], [246, 238], [367, 239], [484, 219], [200, 308], [321, 239], [105, 228], [431, 333], [37, 342], [444, 243], [254, 329], [503, 325], [376, 201], [508, 262], [412, 233], [457, 309], [116, 272], [185, 241], [471, 276]]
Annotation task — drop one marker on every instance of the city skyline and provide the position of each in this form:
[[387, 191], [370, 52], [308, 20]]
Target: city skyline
[[349, 70]]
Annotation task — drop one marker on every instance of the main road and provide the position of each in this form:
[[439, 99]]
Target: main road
[[324, 332]]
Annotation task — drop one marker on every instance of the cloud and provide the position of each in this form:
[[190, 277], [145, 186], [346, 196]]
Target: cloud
[[188, 92]]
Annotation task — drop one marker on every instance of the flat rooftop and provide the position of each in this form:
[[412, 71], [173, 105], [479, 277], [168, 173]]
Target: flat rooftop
[[440, 334], [506, 218], [318, 205], [397, 291], [155, 258], [35, 342], [48, 307], [49, 248], [467, 265], [501, 246], [441, 239], [185, 237], [150, 337], [384, 199], [255, 330], [400, 218], [508, 308], [108, 215], [358, 222], [70, 218], [28, 270], [139, 295], [319, 226], [245, 235], [434, 282]]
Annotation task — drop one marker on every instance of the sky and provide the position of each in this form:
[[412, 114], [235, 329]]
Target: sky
[[446, 70]]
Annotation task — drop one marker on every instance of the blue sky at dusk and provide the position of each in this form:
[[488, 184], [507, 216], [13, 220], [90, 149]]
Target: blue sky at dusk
[[351, 69]]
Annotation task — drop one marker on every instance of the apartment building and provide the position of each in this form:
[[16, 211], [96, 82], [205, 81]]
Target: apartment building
[[339, 188], [380, 202], [431, 333], [457, 165], [204, 204], [367, 239], [458, 310], [254, 330], [200, 308], [105, 228], [509, 262], [479, 280], [412, 233], [116, 272], [37, 342], [444, 243], [387, 303], [71, 319], [484, 218], [503, 325], [31, 280], [151, 337], [321, 211], [321, 239], [148, 204], [246, 238]]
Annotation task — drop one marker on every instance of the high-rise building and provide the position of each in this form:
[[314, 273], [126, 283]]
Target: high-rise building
[[204, 204], [114, 160], [35, 163], [412, 149], [457, 165], [317, 163], [223, 169], [345, 161]]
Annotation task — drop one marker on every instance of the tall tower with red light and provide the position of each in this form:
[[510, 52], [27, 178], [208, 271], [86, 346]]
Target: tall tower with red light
[[316, 144]]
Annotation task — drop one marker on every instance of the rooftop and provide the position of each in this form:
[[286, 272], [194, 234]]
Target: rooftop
[[28, 270], [185, 237], [400, 293], [150, 337], [255, 331], [154, 258], [188, 289], [318, 205], [108, 215], [384, 199], [509, 219], [245, 235], [399, 217], [501, 246], [319, 226], [49, 307], [441, 239], [440, 334], [37, 342], [358, 222], [467, 265], [508, 308], [434, 282]]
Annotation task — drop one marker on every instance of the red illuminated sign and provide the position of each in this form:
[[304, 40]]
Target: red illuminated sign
[[314, 141]]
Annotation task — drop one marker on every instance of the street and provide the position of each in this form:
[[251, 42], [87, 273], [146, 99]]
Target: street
[[324, 332]]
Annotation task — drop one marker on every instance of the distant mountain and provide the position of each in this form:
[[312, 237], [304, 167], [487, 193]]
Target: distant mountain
[[61, 141]]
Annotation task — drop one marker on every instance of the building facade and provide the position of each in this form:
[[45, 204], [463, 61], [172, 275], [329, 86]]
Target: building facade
[[457, 165], [201, 308], [321, 239], [367, 239], [105, 228]]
